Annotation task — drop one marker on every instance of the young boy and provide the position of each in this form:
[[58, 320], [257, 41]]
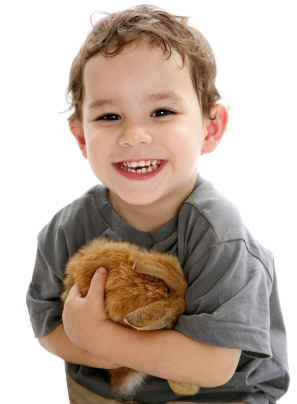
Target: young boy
[[145, 109]]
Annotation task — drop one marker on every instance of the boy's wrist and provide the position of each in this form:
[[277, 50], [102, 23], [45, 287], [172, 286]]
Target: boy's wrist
[[99, 341]]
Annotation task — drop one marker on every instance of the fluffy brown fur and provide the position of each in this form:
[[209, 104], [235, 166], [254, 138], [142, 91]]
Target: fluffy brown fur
[[144, 290]]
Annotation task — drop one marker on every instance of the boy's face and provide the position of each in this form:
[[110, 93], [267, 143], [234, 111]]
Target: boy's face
[[147, 110]]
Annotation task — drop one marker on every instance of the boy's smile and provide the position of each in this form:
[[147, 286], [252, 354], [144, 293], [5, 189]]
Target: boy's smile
[[141, 169], [143, 131]]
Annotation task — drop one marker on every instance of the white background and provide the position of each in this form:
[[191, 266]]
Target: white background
[[42, 169]]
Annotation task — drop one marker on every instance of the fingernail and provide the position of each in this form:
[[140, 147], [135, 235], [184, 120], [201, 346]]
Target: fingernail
[[102, 270]]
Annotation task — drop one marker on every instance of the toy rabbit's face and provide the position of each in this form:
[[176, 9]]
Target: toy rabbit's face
[[137, 296]]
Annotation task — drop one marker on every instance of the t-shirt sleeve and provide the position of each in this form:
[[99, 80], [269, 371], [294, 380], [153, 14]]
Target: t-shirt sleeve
[[43, 295], [228, 299]]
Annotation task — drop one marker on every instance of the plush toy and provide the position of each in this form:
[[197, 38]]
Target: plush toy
[[144, 290]]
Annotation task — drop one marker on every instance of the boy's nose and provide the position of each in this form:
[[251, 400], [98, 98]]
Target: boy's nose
[[132, 136]]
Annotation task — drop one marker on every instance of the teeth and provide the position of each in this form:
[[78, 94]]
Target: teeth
[[142, 170], [143, 167], [134, 164]]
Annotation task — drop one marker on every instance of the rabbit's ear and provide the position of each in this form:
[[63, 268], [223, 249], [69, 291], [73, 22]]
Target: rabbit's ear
[[156, 315], [168, 273]]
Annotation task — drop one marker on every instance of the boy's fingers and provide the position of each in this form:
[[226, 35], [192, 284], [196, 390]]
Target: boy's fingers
[[96, 290]]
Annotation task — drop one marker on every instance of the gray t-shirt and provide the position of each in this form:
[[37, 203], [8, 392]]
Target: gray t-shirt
[[232, 298]]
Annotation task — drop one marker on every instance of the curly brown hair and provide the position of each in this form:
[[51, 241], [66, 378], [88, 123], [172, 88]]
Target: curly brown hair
[[112, 33]]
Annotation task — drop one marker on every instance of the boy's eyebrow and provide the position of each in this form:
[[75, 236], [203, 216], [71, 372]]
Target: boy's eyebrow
[[169, 95]]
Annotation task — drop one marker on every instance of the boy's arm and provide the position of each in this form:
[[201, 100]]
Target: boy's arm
[[167, 354], [59, 344]]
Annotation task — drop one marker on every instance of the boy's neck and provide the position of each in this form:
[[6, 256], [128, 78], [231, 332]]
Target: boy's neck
[[145, 218], [151, 217]]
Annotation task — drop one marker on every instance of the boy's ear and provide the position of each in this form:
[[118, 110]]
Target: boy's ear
[[215, 128], [76, 129]]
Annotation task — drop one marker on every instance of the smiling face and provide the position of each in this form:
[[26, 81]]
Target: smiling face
[[139, 106]]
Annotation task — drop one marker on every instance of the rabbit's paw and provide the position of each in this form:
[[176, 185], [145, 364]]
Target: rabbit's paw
[[183, 388]]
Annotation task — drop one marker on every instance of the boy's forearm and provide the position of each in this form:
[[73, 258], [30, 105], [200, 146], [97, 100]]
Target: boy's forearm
[[59, 344], [167, 354]]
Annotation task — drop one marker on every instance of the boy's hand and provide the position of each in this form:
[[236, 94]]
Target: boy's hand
[[81, 315]]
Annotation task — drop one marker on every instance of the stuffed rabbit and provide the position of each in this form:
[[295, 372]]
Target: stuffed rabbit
[[144, 290]]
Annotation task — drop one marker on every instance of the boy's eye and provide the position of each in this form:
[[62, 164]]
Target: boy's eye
[[108, 117], [162, 112]]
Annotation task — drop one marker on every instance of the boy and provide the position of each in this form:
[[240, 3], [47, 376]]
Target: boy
[[143, 90]]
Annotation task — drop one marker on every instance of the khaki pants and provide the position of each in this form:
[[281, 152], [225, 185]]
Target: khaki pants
[[80, 395]]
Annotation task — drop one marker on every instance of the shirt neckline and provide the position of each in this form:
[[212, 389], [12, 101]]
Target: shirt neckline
[[127, 232]]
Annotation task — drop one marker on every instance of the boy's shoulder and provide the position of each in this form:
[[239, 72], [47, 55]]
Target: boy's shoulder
[[81, 209], [219, 212], [222, 217]]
